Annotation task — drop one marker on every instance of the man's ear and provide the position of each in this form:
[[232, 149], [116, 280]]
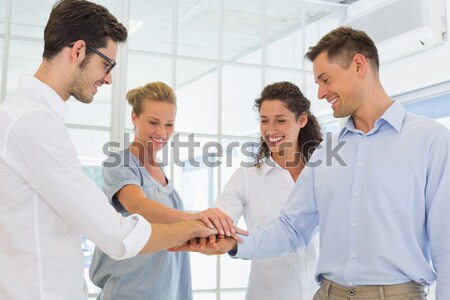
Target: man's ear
[[78, 51], [360, 63]]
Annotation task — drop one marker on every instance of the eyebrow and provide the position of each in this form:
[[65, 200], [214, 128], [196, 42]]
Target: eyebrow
[[319, 77], [262, 116], [156, 119]]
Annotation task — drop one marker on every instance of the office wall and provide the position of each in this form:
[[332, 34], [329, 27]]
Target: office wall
[[418, 71]]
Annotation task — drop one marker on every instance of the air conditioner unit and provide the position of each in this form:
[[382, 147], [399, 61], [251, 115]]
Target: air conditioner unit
[[403, 27]]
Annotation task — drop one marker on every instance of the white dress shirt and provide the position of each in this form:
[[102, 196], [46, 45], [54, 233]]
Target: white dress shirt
[[46, 201], [381, 199], [259, 194]]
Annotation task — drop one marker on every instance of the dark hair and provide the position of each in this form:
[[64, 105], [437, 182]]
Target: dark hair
[[72, 20], [310, 136], [342, 44]]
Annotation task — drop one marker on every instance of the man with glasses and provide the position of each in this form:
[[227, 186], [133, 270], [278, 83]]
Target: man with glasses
[[46, 201]]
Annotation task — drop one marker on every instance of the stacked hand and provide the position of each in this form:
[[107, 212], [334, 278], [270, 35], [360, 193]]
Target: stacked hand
[[215, 218], [224, 241], [214, 244]]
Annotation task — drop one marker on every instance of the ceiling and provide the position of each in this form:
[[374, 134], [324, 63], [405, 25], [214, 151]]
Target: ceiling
[[229, 30], [198, 24]]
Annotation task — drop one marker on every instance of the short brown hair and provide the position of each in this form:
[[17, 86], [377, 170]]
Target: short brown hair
[[342, 44], [72, 20]]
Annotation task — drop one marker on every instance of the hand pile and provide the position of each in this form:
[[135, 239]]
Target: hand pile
[[226, 240]]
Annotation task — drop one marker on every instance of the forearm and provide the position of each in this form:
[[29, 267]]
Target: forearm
[[156, 212], [165, 236]]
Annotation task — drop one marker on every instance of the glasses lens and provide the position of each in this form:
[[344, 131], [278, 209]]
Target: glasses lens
[[111, 62], [112, 65]]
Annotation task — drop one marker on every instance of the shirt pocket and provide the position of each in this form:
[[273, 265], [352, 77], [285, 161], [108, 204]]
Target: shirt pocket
[[390, 187]]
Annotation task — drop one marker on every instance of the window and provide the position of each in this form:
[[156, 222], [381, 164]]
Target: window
[[435, 107]]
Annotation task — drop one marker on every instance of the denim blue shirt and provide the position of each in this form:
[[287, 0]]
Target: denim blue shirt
[[381, 201], [154, 276]]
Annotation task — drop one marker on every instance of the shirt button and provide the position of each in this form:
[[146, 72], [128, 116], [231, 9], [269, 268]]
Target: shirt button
[[353, 224], [352, 256], [365, 138], [356, 194], [360, 164]]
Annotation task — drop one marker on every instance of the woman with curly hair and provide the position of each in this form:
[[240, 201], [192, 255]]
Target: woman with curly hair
[[289, 135]]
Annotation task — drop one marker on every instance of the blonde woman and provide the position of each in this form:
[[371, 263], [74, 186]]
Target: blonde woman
[[137, 184]]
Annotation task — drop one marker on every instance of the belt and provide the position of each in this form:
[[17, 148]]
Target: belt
[[369, 291]]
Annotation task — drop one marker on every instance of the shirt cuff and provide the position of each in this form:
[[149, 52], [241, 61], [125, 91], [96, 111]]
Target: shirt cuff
[[232, 253], [244, 249], [137, 238]]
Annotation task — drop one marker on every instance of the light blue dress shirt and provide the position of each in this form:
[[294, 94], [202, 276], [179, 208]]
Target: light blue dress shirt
[[381, 201], [155, 276]]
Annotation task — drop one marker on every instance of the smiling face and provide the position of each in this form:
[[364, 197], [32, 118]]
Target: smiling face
[[92, 75], [279, 126], [155, 124], [339, 86]]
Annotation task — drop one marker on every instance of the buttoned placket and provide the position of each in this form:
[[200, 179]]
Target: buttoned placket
[[355, 204]]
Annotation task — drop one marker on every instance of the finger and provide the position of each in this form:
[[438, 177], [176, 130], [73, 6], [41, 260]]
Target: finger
[[207, 222], [193, 243], [237, 238], [217, 223], [212, 239], [225, 245], [213, 219], [241, 231], [202, 243], [225, 220], [214, 246]]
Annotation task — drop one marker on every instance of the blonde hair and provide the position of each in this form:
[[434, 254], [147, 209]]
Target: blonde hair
[[157, 91]]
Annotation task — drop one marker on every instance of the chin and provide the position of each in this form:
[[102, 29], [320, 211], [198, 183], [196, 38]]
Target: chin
[[274, 149], [158, 147], [337, 114], [87, 101], [83, 99]]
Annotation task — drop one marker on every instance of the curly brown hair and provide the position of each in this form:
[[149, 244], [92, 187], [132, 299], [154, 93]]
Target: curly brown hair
[[310, 136]]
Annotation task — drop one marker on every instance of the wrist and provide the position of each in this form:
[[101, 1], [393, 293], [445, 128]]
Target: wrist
[[185, 216], [198, 229]]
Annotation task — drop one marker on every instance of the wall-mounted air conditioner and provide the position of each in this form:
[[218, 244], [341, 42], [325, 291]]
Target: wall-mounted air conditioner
[[403, 27]]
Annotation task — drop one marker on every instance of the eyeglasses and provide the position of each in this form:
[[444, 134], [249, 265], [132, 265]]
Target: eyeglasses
[[111, 62]]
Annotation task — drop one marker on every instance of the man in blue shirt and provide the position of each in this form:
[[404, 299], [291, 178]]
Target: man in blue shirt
[[378, 191]]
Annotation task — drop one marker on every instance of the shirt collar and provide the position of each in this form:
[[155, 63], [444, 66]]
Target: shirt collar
[[394, 116], [49, 95], [268, 165]]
